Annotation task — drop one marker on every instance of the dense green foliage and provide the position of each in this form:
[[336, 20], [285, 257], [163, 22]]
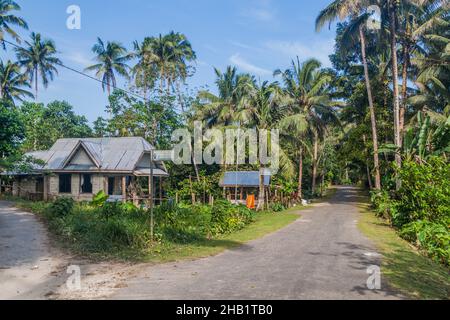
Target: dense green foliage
[[420, 209], [11, 130], [61, 207], [108, 228]]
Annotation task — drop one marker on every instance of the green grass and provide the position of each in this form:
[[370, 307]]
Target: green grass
[[265, 223], [166, 251], [406, 269]]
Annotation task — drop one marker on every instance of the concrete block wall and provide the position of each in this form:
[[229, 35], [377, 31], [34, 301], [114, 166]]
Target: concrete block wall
[[27, 185]]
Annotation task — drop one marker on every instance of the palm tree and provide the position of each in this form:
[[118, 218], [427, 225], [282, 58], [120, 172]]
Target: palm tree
[[144, 72], [356, 29], [182, 56], [392, 7], [417, 21], [159, 51], [307, 88], [12, 81], [392, 13], [170, 55], [263, 108], [222, 109], [7, 20], [38, 59], [111, 59]]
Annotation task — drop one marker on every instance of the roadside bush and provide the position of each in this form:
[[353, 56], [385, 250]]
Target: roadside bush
[[182, 223], [227, 217], [277, 207], [383, 205], [425, 192], [420, 210], [433, 238], [62, 206], [121, 229]]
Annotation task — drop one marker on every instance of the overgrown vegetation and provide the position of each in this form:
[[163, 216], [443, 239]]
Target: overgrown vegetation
[[406, 270], [113, 229], [420, 209]]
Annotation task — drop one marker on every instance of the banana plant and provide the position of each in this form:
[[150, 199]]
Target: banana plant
[[429, 137]]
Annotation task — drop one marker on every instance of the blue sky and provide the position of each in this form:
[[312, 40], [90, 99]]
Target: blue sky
[[257, 36]]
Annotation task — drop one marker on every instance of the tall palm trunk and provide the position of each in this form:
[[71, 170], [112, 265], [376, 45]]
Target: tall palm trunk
[[300, 175], [372, 110], [393, 27], [404, 91], [261, 195], [36, 84], [369, 176], [314, 162]]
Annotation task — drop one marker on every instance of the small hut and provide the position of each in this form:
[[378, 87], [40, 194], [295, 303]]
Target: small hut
[[239, 185]]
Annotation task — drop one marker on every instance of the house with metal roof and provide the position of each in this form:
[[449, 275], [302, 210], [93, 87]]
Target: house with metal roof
[[238, 185], [80, 168]]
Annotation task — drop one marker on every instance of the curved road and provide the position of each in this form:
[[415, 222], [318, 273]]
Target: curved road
[[320, 256], [29, 265]]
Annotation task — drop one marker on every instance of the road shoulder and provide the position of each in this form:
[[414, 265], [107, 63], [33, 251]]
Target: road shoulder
[[405, 269]]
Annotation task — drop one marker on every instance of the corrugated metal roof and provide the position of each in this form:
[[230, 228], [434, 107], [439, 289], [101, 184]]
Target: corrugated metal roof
[[112, 154], [244, 179], [146, 172]]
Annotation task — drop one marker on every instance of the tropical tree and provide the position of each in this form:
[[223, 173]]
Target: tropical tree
[[144, 71], [7, 19], [222, 109], [356, 30], [262, 109], [12, 130], [112, 58], [432, 60], [183, 55], [38, 59], [46, 124], [170, 56], [311, 109], [12, 82]]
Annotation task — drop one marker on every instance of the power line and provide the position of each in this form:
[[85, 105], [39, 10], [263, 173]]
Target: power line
[[81, 73]]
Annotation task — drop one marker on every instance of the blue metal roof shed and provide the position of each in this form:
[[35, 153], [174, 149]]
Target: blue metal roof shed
[[247, 179]]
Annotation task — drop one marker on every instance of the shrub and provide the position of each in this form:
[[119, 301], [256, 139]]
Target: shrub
[[433, 238], [277, 207], [62, 206], [182, 223], [110, 209], [227, 217], [383, 205], [99, 199], [421, 208], [425, 192]]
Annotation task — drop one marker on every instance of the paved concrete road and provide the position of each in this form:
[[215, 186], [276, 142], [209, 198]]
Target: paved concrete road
[[320, 256], [28, 270]]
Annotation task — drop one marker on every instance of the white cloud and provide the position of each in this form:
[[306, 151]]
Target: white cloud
[[261, 10], [316, 49], [243, 64], [79, 58], [244, 46]]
